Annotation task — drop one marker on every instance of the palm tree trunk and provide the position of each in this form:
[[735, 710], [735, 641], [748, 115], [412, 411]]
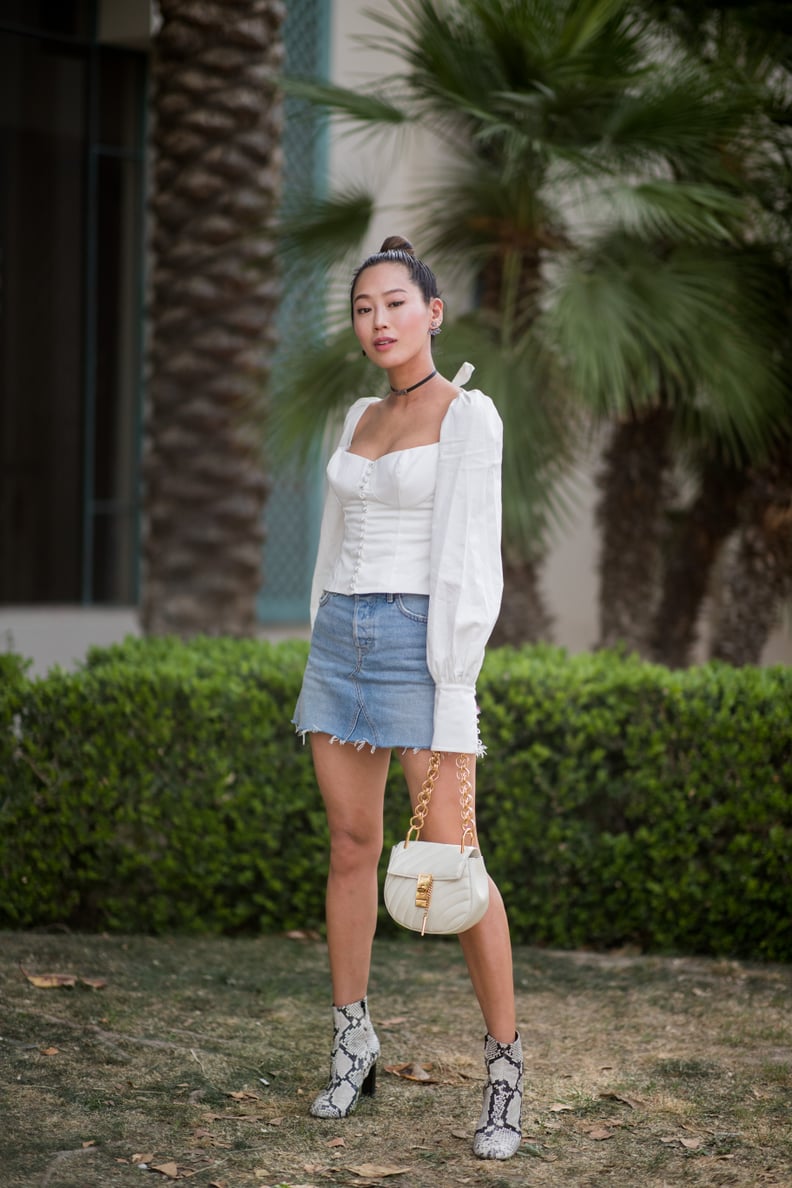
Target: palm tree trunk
[[524, 617], [758, 577], [695, 543], [630, 513], [216, 186]]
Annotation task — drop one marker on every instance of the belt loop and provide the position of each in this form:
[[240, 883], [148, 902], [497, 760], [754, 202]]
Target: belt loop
[[390, 597]]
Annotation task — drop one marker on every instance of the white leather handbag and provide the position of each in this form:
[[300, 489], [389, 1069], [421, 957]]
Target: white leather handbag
[[438, 887]]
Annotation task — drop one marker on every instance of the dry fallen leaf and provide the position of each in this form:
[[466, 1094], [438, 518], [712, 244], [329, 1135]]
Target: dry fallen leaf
[[54, 981], [690, 1144], [244, 1095], [275, 1121], [171, 1170], [88, 1143], [336, 1142], [49, 1051], [599, 1134], [50, 981], [377, 1171], [395, 1022], [412, 1071], [143, 1158], [558, 1107]]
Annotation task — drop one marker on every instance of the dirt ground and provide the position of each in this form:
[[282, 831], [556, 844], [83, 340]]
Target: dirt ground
[[196, 1060]]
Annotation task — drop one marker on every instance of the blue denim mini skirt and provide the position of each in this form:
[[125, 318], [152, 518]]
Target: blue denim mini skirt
[[366, 681]]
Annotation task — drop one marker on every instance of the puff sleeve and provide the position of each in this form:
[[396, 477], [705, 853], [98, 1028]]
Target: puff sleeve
[[331, 532], [466, 576]]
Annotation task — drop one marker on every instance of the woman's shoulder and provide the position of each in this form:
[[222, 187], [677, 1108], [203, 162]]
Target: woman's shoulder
[[473, 412], [360, 406], [353, 415]]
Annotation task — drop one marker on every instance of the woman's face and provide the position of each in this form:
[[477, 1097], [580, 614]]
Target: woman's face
[[390, 316]]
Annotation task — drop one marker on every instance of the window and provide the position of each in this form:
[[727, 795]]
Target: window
[[71, 155]]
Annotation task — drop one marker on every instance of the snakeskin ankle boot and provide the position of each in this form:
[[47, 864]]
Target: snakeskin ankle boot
[[498, 1134], [353, 1062]]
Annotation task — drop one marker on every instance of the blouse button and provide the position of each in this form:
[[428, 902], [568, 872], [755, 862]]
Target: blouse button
[[362, 493]]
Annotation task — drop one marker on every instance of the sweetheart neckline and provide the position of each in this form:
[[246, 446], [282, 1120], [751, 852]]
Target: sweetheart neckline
[[390, 453]]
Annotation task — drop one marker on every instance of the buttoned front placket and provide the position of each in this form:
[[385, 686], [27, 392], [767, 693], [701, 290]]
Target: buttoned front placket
[[363, 493]]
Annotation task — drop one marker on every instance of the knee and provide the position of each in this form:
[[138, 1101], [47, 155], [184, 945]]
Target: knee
[[351, 850]]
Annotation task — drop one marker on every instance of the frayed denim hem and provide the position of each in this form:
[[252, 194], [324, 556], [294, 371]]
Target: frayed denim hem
[[358, 744]]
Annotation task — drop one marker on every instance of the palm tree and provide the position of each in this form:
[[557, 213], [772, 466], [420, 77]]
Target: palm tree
[[696, 534], [748, 46], [216, 185], [561, 129], [716, 387]]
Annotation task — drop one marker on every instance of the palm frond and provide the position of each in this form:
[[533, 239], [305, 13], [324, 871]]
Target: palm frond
[[459, 57], [318, 232], [678, 115], [313, 386], [585, 25], [692, 323], [364, 106], [673, 210], [476, 211]]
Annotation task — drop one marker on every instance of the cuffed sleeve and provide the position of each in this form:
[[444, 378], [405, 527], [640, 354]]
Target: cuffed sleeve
[[466, 577]]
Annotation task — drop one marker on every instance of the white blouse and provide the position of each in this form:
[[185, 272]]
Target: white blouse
[[387, 504], [397, 538]]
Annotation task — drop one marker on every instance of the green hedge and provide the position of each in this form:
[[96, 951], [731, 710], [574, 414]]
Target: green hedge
[[161, 787], [641, 806]]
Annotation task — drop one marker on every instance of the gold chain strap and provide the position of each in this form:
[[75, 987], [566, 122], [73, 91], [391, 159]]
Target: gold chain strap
[[424, 796], [465, 800]]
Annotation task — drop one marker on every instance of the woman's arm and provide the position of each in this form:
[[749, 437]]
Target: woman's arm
[[466, 578]]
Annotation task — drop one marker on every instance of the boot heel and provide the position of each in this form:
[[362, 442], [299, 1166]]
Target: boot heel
[[369, 1086]]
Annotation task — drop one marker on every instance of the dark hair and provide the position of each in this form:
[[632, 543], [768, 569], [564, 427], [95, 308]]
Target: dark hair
[[397, 250]]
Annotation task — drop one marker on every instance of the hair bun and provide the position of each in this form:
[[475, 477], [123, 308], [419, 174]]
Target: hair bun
[[397, 243]]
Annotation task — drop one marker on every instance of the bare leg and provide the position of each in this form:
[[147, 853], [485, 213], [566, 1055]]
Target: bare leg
[[486, 946], [352, 784]]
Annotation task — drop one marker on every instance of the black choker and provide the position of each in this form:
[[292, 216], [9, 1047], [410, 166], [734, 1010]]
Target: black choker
[[425, 380]]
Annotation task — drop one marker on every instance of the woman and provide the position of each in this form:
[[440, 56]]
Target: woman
[[406, 591]]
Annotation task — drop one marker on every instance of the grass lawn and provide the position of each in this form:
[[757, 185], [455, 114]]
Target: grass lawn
[[197, 1060]]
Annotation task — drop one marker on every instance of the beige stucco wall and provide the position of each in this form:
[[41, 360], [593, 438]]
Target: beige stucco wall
[[399, 166]]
